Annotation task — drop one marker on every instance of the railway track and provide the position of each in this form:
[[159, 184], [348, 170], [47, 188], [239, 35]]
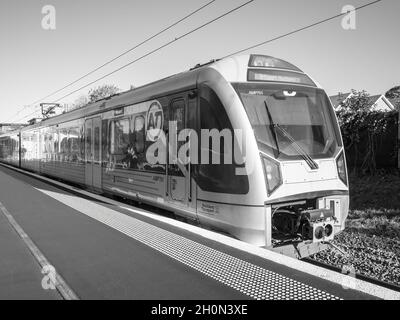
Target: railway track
[[357, 275]]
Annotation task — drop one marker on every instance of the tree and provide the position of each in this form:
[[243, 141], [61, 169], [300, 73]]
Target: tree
[[361, 129], [94, 95], [357, 103], [102, 92], [394, 95], [80, 102]]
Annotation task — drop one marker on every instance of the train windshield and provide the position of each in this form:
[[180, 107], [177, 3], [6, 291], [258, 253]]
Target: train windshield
[[291, 122]]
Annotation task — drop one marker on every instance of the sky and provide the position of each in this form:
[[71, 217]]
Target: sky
[[35, 62]]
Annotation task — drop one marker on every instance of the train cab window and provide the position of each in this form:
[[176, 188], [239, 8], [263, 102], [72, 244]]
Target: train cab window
[[221, 178], [119, 136]]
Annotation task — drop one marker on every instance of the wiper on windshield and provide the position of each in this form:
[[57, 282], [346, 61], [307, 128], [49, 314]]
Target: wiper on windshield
[[272, 123], [311, 163]]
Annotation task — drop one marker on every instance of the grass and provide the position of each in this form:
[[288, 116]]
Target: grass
[[375, 204], [379, 192], [378, 225]]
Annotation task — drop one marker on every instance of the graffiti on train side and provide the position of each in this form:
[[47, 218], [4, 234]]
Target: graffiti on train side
[[147, 142]]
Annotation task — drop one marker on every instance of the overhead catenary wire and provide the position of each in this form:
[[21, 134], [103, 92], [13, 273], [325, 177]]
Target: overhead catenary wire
[[226, 56], [237, 52], [120, 55], [151, 52], [301, 29]]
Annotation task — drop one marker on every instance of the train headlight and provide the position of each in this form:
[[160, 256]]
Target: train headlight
[[319, 232], [341, 167], [273, 175], [328, 230]]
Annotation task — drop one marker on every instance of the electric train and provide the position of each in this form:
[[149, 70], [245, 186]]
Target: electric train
[[248, 145]]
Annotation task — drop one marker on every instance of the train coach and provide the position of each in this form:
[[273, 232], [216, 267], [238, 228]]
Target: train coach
[[248, 145]]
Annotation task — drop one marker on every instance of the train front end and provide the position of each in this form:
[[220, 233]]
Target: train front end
[[299, 155]]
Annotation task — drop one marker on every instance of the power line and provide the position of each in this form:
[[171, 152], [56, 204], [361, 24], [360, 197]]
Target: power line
[[153, 51], [231, 54], [301, 29], [120, 55], [159, 48], [237, 52]]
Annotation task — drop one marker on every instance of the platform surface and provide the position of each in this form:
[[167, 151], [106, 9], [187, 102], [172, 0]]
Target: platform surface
[[105, 251]]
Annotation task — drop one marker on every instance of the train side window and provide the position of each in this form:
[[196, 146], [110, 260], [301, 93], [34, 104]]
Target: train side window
[[88, 143], [45, 146], [56, 142], [82, 143], [96, 144], [119, 136], [64, 147], [73, 143], [73, 137], [139, 134], [50, 141], [177, 113], [220, 178]]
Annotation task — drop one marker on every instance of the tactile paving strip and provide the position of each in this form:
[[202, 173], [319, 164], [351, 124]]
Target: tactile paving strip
[[241, 275]]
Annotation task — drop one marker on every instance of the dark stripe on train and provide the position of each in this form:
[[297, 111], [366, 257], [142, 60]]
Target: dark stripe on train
[[308, 195]]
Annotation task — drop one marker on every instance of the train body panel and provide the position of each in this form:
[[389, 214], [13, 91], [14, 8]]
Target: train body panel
[[247, 145]]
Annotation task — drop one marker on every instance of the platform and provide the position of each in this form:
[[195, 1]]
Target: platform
[[105, 249]]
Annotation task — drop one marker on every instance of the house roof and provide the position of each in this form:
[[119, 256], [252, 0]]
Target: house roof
[[390, 103], [338, 99], [374, 99]]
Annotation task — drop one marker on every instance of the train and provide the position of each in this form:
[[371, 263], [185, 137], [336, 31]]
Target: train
[[248, 145]]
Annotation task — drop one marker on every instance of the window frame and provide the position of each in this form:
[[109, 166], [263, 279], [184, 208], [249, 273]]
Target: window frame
[[111, 140], [226, 181], [134, 131]]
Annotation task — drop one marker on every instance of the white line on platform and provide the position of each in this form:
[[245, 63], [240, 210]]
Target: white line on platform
[[62, 287], [329, 275]]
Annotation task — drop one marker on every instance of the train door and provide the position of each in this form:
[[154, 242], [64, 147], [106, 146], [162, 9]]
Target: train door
[[93, 153], [178, 173]]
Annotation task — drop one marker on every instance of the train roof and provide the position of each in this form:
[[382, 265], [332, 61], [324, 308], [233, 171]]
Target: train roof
[[233, 69]]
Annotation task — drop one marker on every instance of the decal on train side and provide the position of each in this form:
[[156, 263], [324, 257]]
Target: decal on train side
[[154, 121]]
